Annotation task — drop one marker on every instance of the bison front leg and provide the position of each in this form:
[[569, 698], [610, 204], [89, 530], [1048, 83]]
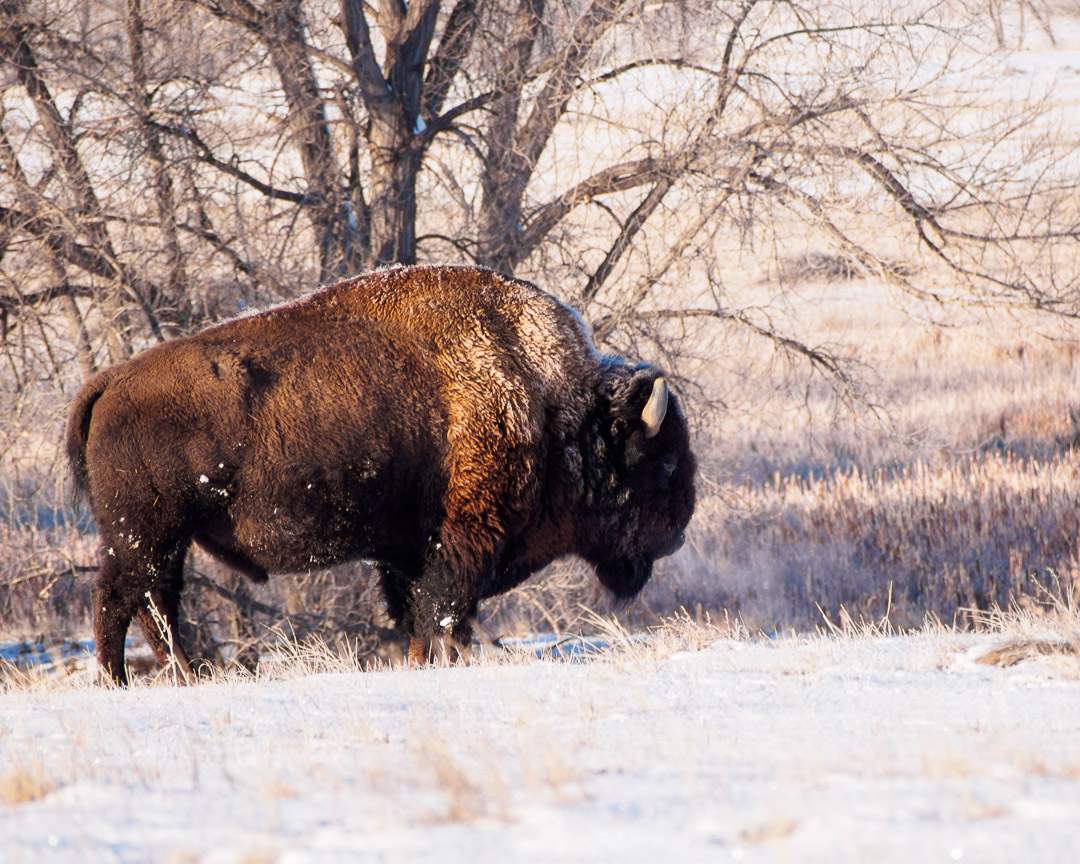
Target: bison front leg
[[488, 489], [442, 604], [443, 649]]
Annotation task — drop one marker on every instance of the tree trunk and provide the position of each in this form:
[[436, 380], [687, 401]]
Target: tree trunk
[[177, 283], [506, 173], [307, 117], [394, 164]]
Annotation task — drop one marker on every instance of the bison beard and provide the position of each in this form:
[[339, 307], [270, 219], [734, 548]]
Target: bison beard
[[454, 426]]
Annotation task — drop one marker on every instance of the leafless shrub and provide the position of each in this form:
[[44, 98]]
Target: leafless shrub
[[819, 265], [829, 267], [43, 579]]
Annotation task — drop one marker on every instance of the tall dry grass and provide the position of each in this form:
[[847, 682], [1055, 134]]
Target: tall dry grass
[[952, 486], [958, 492], [978, 533]]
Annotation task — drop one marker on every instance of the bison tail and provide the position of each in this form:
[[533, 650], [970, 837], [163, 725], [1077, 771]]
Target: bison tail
[[78, 428]]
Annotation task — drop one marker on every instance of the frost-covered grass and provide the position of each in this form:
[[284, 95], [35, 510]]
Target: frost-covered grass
[[974, 505], [697, 743], [942, 538]]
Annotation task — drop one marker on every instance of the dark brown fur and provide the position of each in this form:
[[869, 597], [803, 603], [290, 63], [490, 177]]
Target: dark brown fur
[[455, 426]]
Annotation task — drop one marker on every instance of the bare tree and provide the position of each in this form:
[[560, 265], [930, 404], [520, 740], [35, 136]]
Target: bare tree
[[159, 155]]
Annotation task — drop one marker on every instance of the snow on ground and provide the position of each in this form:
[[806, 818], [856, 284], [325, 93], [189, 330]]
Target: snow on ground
[[889, 749]]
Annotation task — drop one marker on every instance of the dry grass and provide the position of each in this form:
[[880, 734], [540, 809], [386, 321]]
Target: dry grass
[[469, 787], [24, 783], [1050, 629], [74, 672], [979, 533], [1019, 650], [769, 831], [959, 493]]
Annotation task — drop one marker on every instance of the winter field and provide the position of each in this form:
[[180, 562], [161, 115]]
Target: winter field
[[697, 743], [792, 731]]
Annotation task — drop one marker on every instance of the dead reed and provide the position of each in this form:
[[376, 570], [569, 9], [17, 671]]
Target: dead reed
[[977, 533], [994, 531]]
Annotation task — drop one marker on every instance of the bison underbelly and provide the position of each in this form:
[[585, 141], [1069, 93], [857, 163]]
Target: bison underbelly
[[313, 527]]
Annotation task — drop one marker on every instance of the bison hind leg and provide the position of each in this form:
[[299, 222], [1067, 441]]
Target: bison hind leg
[[113, 608], [147, 592], [158, 616]]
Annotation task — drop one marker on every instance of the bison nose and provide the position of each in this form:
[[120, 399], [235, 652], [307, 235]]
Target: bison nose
[[674, 545]]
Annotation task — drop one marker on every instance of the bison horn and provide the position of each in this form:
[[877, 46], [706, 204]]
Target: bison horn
[[655, 408]]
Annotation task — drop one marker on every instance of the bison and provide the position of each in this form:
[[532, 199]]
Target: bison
[[455, 427]]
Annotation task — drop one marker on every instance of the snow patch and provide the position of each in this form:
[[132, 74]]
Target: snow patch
[[789, 749]]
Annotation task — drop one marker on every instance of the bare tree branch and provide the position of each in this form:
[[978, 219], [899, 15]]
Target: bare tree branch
[[205, 154], [454, 46]]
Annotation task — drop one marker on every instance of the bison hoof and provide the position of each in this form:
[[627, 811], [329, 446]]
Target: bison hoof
[[440, 651]]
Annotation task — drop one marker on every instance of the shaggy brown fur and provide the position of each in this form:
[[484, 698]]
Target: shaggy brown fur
[[454, 426]]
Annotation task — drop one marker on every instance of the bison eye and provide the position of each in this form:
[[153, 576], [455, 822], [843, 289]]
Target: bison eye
[[669, 466]]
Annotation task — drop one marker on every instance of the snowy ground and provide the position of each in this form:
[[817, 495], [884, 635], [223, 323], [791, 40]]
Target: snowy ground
[[839, 749]]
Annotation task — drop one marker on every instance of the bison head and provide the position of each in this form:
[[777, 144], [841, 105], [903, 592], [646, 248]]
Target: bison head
[[639, 474]]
